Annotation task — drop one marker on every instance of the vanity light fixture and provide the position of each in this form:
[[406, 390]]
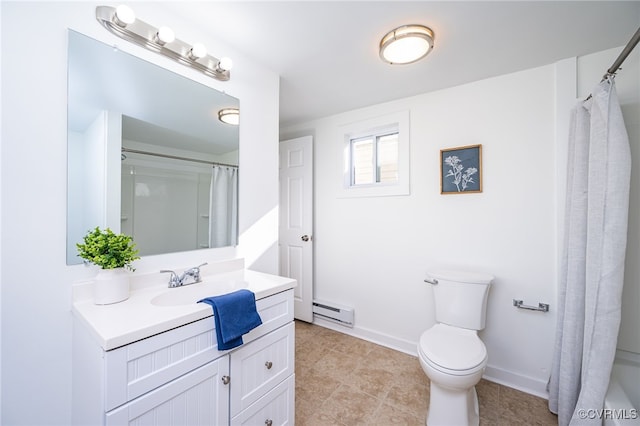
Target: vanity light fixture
[[122, 22], [406, 44], [229, 116]]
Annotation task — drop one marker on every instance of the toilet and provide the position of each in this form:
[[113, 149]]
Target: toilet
[[451, 354]]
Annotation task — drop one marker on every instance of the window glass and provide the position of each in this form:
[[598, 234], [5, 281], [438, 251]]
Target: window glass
[[374, 159], [388, 158]]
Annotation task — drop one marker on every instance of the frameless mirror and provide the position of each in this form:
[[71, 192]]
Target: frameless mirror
[[147, 155]]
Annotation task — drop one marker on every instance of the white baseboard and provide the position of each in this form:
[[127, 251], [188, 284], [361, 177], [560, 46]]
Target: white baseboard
[[493, 374], [372, 336], [517, 381]]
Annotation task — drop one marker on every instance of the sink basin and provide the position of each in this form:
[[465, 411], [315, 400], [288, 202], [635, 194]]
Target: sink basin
[[190, 294]]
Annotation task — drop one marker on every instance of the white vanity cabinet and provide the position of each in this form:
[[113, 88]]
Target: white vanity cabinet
[[178, 377]]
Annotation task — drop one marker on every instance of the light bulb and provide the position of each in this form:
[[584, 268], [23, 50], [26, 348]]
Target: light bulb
[[124, 16], [225, 64], [165, 35], [197, 51]]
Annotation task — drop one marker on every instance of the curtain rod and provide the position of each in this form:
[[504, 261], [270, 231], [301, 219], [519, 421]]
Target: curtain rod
[[623, 55], [174, 157]]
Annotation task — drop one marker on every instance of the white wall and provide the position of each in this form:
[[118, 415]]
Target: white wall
[[373, 253], [35, 281]]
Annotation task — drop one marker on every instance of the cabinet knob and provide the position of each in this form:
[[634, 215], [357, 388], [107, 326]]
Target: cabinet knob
[[268, 364], [268, 422], [226, 379]]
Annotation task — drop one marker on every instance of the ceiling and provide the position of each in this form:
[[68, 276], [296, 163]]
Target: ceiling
[[326, 53]]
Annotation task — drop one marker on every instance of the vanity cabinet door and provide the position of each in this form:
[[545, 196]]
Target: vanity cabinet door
[[200, 397], [259, 366]]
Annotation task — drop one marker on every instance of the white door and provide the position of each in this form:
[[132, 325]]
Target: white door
[[296, 221]]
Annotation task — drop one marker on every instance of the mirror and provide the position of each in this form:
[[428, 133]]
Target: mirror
[[147, 155]]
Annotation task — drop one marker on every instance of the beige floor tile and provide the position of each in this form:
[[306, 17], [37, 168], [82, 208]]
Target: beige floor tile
[[315, 386], [389, 415], [372, 381], [351, 407], [318, 419], [488, 396], [411, 398], [336, 365], [345, 381]]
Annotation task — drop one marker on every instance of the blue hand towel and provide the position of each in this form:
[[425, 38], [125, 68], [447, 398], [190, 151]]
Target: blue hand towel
[[235, 314]]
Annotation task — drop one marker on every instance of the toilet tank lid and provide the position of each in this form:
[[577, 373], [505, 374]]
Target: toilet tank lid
[[461, 276]]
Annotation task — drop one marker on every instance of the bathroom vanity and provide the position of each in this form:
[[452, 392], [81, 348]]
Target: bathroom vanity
[[153, 359]]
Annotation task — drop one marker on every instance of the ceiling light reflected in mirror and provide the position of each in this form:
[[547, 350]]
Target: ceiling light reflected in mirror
[[229, 116]]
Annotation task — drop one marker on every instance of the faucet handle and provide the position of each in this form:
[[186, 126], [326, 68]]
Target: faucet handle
[[174, 280], [195, 272]]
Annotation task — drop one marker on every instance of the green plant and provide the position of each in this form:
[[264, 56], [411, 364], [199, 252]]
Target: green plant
[[108, 250]]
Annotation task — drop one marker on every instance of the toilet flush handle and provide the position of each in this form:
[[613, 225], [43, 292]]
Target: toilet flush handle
[[431, 281]]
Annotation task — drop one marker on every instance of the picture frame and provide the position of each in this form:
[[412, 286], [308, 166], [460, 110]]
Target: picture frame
[[461, 170]]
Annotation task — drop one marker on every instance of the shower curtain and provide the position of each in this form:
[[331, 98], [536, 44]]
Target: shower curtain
[[592, 265], [223, 207]]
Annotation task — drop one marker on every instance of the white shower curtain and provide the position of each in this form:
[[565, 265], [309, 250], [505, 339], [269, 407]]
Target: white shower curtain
[[223, 207], [592, 267]]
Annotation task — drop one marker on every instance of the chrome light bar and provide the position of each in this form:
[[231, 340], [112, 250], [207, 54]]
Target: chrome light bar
[[145, 35]]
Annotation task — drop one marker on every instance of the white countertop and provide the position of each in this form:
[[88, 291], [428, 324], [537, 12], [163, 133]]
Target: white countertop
[[137, 317]]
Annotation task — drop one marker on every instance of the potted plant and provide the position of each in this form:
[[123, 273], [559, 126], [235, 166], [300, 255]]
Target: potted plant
[[113, 253]]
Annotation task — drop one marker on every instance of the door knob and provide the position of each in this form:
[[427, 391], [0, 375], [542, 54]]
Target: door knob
[[305, 238], [226, 379]]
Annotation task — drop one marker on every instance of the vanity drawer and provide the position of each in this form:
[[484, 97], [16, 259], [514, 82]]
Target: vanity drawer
[[276, 407], [135, 369], [258, 367]]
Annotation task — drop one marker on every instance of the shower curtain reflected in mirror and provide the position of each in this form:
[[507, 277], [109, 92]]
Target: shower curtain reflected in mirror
[[223, 210]]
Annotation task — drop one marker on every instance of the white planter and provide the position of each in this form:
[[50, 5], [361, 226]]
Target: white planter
[[111, 286]]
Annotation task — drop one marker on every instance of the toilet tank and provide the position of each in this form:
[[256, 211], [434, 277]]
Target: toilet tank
[[461, 297]]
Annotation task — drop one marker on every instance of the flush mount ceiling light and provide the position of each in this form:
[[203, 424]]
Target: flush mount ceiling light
[[122, 22], [229, 116], [406, 44]]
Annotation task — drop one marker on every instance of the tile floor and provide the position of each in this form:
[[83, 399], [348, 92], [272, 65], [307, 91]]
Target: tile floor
[[344, 381]]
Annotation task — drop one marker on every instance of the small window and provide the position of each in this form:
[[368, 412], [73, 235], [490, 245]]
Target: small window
[[374, 159], [376, 156]]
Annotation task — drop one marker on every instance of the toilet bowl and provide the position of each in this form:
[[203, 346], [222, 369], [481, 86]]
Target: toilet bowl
[[451, 354], [454, 359]]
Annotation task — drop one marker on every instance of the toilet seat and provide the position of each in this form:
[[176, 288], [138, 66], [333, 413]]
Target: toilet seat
[[453, 350]]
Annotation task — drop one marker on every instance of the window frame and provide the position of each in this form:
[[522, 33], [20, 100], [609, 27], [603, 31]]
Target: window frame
[[379, 126]]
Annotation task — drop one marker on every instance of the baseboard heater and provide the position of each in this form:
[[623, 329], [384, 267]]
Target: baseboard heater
[[333, 312]]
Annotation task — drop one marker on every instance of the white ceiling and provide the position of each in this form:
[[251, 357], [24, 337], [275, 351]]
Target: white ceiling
[[327, 52]]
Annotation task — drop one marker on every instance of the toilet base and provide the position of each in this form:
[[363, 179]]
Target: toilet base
[[449, 407]]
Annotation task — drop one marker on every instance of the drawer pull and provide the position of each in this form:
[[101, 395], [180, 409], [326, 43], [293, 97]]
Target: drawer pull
[[226, 379], [268, 364], [268, 422]]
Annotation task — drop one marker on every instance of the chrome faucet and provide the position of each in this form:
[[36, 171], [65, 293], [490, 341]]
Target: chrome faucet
[[176, 280]]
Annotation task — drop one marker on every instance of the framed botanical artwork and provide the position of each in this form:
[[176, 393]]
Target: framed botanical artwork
[[461, 170]]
